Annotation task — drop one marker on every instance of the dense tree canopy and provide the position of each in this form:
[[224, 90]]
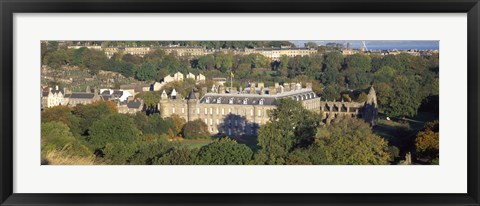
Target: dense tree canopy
[[196, 129], [224, 152], [351, 141]]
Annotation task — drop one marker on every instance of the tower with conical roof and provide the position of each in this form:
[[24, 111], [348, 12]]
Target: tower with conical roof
[[163, 103], [370, 108], [191, 106], [372, 97]]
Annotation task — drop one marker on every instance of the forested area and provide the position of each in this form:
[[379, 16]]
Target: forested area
[[403, 82], [97, 134]]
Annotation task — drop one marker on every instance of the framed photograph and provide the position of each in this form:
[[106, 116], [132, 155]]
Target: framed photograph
[[268, 102]]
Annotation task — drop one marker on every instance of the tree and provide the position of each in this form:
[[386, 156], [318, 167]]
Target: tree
[[350, 141], [333, 64], [206, 62], [177, 156], [196, 129], [224, 152], [150, 98], [291, 125], [56, 59], [404, 98], [146, 72], [427, 142], [62, 114], [275, 143], [311, 44], [115, 128], [359, 61], [148, 152], [157, 125], [56, 136], [178, 121], [91, 112]]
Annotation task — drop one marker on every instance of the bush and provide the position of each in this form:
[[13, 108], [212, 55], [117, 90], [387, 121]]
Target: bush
[[178, 156], [224, 152], [196, 129]]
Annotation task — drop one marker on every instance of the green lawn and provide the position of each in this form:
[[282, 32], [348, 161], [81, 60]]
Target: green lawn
[[401, 132], [195, 143]]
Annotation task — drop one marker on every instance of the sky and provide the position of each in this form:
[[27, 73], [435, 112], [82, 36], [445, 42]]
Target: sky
[[379, 44]]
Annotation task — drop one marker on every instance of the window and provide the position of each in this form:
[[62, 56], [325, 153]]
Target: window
[[229, 110], [211, 110], [245, 101], [206, 121], [217, 122], [219, 100], [211, 122], [207, 100], [251, 112], [198, 110], [259, 113], [261, 101], [173, 110], [223, 111], [216, 110], [183, 110], [230, 101], [206, 111]]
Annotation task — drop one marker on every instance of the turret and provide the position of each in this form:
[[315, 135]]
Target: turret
[[173, 95], [191, 106], [163, 96], [372, 97], [163, 103]]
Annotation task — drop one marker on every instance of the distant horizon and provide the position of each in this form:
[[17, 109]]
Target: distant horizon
[[378, 44]]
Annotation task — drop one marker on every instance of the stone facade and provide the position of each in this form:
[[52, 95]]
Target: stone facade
[[130, 107], [54, 97], [84, 98], [242, 113]]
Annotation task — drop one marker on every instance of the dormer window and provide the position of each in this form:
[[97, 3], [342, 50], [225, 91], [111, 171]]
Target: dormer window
[[219, 100], [207, 100], [245, 101], [230, 101], [261, 101]]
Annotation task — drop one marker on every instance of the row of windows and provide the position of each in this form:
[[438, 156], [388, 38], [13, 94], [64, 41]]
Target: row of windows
[[207, 111], [247, 129], [231, 100]]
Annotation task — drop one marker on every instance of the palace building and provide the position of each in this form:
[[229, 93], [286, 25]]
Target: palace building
[[242, 112]]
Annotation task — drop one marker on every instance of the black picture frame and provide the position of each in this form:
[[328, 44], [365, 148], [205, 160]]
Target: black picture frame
[[10, 7]]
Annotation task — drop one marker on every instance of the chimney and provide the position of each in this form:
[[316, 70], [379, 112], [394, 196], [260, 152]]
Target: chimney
[[252, 90], [221, 89], [282, 89], [298, 86], [276, 85], [262, 91], [292, 86], [260, 85], [56, 87], [272, 90], [286, 87], [309, 85]]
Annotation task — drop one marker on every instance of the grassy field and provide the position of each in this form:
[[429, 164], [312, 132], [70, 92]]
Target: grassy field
[[196, 143], [401, 132]]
